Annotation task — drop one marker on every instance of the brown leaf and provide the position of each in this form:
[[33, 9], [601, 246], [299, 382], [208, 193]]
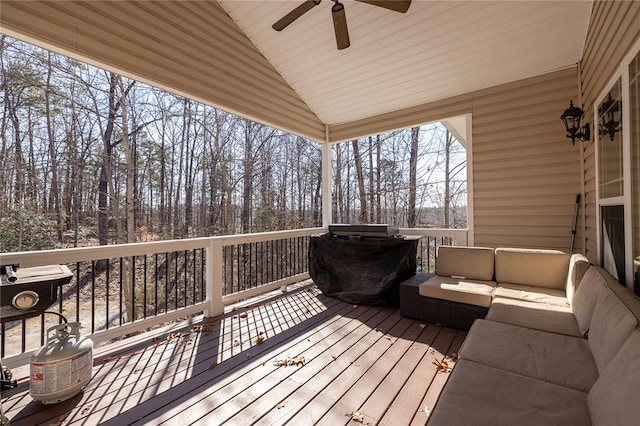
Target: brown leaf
[[213, 365], [243, 315], [442, 366], [259, 340]]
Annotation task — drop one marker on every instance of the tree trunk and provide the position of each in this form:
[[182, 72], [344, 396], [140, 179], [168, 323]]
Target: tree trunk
[[413, 173], [55, 188], [247, 178], [360, 175], [378, 182]]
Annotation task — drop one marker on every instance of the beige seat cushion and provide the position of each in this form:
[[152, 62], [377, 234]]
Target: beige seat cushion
[[473, 263], [611, 325], [540, 316], [479, 395], [476, 293], [550, 357], [550, 296], [539, 268], [612, 400]]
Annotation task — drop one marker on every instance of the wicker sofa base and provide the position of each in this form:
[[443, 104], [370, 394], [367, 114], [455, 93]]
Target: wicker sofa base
[[445, 312]]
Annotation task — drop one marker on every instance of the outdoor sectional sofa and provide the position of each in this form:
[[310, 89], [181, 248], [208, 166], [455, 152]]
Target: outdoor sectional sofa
[[560, 344]]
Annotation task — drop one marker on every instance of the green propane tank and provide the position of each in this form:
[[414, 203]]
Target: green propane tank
[[62, 367]]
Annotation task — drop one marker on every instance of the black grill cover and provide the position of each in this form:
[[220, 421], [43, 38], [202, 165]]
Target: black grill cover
[[362, 270]]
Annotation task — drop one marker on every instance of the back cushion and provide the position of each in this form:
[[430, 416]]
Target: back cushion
[[539, 268], [473, 263], [578, 266], [612, 399], [585, 297], [611, 324]]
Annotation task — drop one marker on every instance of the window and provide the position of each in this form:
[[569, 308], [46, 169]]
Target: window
[[618, 172], [634, 127]]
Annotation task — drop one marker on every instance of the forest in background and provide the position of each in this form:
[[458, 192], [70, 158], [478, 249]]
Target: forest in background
[[90, 157]]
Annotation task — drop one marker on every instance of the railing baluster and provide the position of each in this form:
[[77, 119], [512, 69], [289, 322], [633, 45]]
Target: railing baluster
[[144, 289], [120, 290], [93, 296], [155, 287], [107, 286]]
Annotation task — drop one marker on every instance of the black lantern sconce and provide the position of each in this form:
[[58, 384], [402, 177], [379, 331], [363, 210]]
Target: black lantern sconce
[[610, 117], [571, 118]]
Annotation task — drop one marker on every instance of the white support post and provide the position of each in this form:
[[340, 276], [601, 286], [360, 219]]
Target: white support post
[[214, 281], [327, 200]]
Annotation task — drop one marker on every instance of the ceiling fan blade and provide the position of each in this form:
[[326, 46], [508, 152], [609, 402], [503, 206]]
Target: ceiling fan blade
[[397, 6], [340, 25], [295, 14]]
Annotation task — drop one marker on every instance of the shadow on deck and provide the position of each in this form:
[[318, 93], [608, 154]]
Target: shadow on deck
[[349, 361]]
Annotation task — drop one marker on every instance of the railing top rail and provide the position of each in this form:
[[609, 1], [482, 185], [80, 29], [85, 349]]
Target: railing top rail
[[434, 232], [80, 254]]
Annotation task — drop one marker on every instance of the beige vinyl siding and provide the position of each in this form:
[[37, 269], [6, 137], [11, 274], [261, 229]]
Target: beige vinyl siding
[[401, 119], [526, 172], [613, 29], [190, 47]]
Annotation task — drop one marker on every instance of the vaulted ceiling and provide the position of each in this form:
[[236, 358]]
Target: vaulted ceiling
[[438, 49], [226, 53]]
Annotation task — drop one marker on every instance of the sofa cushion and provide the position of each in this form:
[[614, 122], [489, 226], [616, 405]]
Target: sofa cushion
[[549, 296], [578, 266], [612, 398], [585, 297], [611, 325], [539, 268], [476, 293], [550, 357], [540, 316], [476, 394], [473, 263], [630, 300]]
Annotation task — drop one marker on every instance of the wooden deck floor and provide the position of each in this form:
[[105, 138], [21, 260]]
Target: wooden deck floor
[[357, 359]]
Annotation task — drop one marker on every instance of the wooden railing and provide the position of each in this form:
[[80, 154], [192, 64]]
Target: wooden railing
[[122, 289]]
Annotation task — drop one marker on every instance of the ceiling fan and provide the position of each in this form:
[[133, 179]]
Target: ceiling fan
[[339, 17]]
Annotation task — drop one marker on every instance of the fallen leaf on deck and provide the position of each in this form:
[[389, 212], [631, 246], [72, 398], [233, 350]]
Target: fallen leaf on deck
[[425, 410], [280, 405], [389, 338], [432, 351], [236, 342], [452, 357], [214, 364], [243, 315], [356, 417], [299, 360], [259, 340], [422, 325], [85, 410], [442, 366]]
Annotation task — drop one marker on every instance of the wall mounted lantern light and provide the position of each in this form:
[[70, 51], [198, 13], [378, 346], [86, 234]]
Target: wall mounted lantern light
[[571, 118], [610, 117]]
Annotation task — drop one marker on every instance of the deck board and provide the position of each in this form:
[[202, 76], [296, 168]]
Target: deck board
[[357, 358]]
